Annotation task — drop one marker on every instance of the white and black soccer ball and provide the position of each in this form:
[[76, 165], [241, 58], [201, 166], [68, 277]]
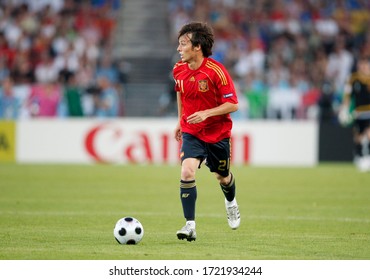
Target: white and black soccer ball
[[128, 230]]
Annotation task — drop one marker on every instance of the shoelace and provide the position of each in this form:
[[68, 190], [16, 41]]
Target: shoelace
[[188, 228], [232, 212]]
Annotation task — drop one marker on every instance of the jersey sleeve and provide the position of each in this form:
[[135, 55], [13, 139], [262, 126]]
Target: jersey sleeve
[[224, 83], [175, 73], [228, 90]]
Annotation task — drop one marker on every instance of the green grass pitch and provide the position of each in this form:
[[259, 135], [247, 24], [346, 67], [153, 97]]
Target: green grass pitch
[[67, 212]]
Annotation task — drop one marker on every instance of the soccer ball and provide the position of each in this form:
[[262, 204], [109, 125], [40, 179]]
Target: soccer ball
[[128, 230]]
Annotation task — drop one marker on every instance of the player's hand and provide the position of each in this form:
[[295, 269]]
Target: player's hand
[[344, 116], [177, 133], [197, 117]]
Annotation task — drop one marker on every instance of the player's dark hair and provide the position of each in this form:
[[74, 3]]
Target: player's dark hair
[[202, 35]]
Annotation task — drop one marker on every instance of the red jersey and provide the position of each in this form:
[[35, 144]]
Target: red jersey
[[204, 88]]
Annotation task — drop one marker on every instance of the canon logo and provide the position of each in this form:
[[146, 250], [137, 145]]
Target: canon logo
[[111, 143]]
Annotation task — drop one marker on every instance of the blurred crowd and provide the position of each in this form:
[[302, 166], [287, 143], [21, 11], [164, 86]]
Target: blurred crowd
[[289, 58], [55, 59]]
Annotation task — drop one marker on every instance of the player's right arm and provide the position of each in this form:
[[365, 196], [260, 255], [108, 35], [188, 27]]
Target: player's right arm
[[177, 131]]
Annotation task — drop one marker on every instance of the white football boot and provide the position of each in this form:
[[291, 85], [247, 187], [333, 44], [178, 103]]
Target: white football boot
[[187, 232], [233, 214]]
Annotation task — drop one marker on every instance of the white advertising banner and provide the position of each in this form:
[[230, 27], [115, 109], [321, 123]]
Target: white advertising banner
[[129, 140]]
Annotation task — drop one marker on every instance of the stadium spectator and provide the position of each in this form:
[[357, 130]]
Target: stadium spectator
[[72, 96], [107, 100], [4, 71], [326, 113], [23, 76], [44, 100], [106, 68], [9, 104], [7, 53], [340, 63], [255, 92], [251, 60], [46, 71]]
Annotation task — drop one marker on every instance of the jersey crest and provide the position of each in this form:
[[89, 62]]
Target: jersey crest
[[203, 85]]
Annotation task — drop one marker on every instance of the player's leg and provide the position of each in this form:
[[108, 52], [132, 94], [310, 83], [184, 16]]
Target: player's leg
[[232, 209], [188, 188], [362, 145], [367, 135], [192, 154], [366, 146], [188, 196], [218, 161], [227, 185]]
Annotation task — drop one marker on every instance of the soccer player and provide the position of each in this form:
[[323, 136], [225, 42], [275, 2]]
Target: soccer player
[[357, 95], [205, 97]]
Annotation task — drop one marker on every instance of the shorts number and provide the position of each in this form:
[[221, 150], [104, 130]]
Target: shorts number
[[224, 165]]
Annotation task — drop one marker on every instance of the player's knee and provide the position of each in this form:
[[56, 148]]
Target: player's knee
[[187, 173], [223, 180]]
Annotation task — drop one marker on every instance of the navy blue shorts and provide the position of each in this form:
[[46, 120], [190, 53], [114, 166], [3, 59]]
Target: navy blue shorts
[[217, 155], [360, 125]]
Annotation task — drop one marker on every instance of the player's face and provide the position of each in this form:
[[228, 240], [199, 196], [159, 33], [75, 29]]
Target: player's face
[[185, 48]]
